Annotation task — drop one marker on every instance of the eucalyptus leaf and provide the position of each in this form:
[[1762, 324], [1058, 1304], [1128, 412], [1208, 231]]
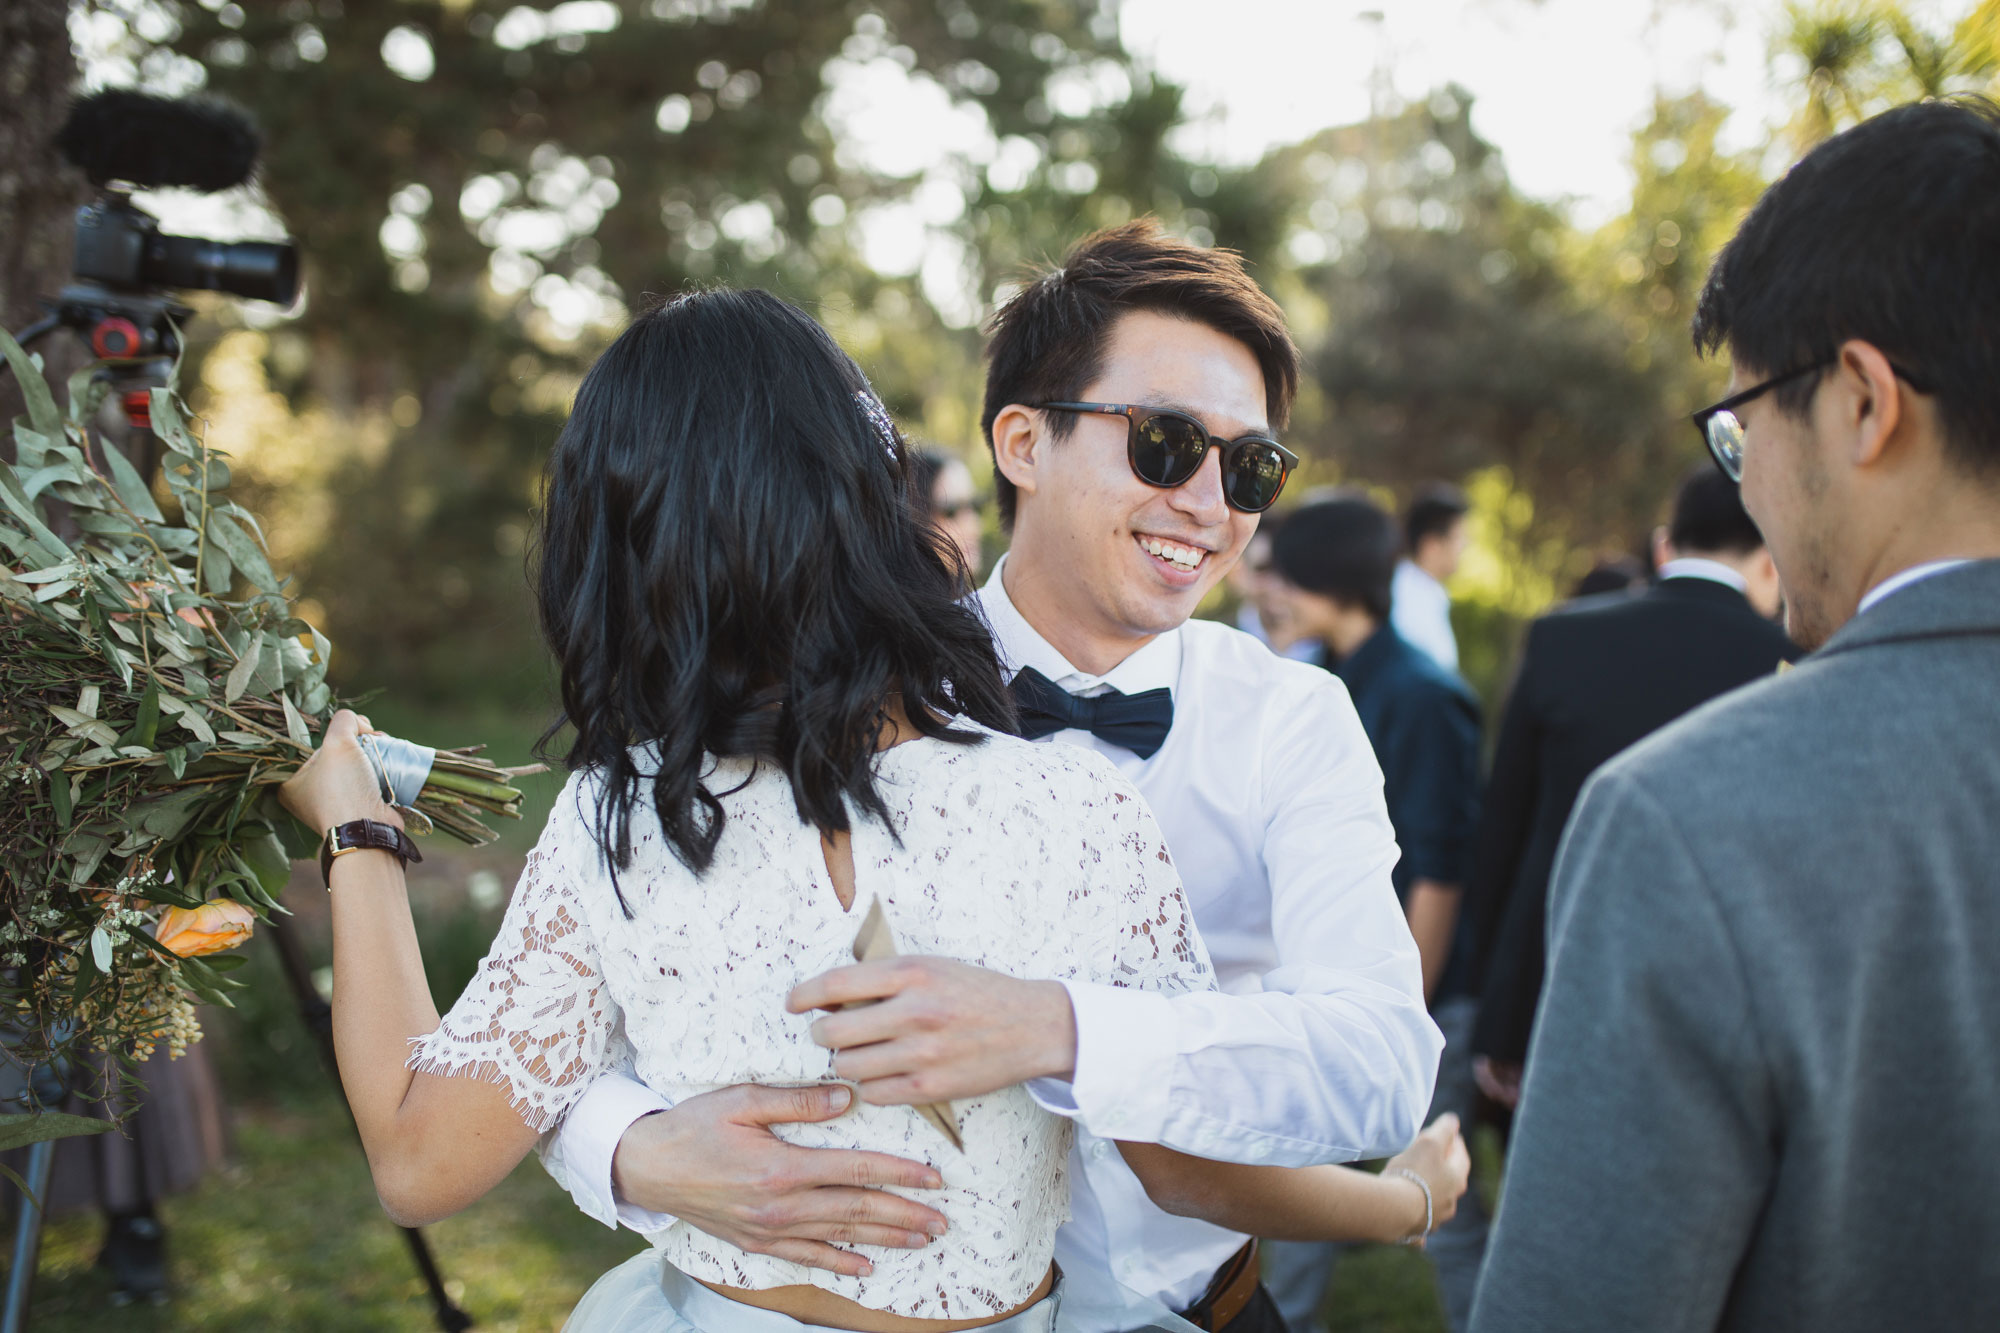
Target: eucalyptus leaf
[[189, 715], [41, 479], [18, 1131], [52, 546], [30, 445], [245, 668], [131, 487], [269, 862], [243, 549], [88, 388], [34, 390], [295, 725], [216, 568], [168, 423], [88, 849]]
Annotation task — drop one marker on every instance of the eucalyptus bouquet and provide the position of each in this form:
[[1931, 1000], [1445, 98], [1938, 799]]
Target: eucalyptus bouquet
[[155, 688]]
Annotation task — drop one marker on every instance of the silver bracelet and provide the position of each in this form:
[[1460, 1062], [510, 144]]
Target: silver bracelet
[[1425, 1186]]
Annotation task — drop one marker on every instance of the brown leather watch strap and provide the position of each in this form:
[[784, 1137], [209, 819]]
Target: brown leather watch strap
[[359, 835]]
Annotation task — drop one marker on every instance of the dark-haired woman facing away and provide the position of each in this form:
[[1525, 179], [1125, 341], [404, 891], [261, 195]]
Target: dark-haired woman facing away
[[783, 716]]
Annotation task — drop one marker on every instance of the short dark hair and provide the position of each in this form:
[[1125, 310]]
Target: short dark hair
[[1432, 512], [1709, 517], [1888, 233], [1046, 344], [1344, 547]]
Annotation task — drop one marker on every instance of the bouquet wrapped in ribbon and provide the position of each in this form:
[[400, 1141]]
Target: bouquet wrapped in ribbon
[[155, 689]]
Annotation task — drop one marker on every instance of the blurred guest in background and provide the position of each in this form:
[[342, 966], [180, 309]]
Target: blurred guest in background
[[172, 1138], [1613, 573], [1333, 562], [946, 483], [1762, 1084], [1434, 539], [1595, 677], [1262, 614]]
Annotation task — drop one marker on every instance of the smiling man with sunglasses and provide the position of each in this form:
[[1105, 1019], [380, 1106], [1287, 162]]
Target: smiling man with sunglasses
[[1762, 1080], [1133, 399]]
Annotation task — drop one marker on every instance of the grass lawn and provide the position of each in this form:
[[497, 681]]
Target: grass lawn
[[290, 1237]]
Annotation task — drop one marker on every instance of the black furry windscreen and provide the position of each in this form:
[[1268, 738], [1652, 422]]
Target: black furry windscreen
[[197, 143]]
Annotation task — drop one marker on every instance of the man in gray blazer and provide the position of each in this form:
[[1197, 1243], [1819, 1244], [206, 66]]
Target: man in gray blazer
[[1763, 1087]]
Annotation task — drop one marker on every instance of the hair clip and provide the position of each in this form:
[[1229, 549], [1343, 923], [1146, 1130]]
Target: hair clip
[[878, 417]]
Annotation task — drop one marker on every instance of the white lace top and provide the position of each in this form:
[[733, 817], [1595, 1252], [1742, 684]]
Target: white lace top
[[1039, 861]]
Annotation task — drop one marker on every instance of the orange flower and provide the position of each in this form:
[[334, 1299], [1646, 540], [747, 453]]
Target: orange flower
[[210, 928]]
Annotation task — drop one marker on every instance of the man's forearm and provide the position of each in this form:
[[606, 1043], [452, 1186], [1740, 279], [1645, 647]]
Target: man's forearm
[[1432, 909], [1336, 1071]]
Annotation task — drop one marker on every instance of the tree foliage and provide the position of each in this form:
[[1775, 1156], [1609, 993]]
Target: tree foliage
[[483, 189]]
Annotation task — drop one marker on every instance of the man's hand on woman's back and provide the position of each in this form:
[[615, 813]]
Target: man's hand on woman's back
[[713, 1162]]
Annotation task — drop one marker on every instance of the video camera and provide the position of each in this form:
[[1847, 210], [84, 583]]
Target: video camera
[[125, 268]]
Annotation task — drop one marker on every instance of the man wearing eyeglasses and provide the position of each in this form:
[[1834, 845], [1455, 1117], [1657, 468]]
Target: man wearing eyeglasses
[[1763, 1076], [1132, 402]]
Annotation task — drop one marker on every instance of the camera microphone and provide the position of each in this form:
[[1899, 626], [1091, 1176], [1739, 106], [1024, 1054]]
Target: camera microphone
[[127, 140], [153, 142]]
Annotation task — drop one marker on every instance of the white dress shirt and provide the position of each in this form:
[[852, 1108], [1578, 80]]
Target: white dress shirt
[[1696, 567], [1420, 611], [1318, 1049], [1897, 582]]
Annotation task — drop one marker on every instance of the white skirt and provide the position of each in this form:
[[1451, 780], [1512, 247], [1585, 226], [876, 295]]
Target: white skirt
[[645, 1294]]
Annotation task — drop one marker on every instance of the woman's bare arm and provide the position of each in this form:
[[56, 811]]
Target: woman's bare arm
[[434, 1144], [1311, 1202]]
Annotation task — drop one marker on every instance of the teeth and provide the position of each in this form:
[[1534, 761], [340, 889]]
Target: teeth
[[1187, 557]]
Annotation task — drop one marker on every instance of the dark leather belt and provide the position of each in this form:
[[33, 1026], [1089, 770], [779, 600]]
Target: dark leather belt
[[1235, 1283]]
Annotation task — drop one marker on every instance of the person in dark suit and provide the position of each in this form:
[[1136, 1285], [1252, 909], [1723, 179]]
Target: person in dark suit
[[1333, 566], [1761, 1090], [1597, 675]]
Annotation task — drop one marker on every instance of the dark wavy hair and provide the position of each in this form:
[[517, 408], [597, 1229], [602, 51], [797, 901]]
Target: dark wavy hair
[[729, 565]]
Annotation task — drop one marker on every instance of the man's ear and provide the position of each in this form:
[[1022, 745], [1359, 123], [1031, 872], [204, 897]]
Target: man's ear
[[1870, 401], [1017, 445], [1663, 547]]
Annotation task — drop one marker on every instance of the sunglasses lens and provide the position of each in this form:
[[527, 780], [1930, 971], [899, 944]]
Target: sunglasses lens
[[1167, 449], [1725, 442], [1255, 474]]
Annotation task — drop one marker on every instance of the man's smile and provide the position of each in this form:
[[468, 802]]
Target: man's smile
[[1178, 556]]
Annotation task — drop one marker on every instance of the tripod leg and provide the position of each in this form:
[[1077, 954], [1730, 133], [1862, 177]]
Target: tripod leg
[[318, 1017], [27, 1237]]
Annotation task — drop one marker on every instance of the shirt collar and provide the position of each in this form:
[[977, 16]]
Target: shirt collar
[[1157, 665], [1694, 567], [1897, 582]]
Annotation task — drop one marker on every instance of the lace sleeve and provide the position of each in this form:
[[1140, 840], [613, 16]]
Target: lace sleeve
[[1147, 930], [536, 1017]]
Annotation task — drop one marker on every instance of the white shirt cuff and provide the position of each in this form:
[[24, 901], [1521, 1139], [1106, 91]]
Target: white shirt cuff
[[1125, 1052], [582, 1149]]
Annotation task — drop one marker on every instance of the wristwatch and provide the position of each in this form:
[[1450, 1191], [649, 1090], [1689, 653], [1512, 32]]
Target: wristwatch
[[361, 835]]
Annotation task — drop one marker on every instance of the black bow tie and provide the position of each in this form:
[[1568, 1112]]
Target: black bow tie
[[1136, 722]]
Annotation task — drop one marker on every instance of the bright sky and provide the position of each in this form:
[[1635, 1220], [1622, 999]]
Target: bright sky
[[1558, 85]]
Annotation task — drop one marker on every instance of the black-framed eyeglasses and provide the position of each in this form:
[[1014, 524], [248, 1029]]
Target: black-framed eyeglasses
[[1722, 430], [1165, 448]]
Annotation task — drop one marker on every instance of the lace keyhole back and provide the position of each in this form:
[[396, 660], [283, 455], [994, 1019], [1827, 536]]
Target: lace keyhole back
[[839, 853]]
